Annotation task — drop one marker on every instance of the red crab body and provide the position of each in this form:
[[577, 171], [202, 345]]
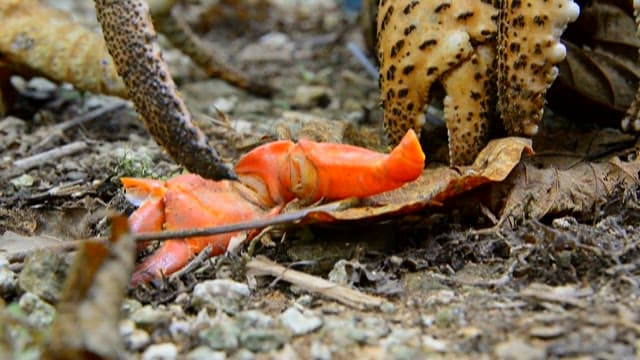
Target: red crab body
[[270, 176]]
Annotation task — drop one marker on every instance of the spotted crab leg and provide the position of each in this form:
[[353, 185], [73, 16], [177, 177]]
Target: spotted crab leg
[[528, 49], [418, 42], [132, 43], [469, 104]]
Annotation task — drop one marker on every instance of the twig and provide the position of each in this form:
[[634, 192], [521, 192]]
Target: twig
[[81, 119], [48, 156], [246, 225], [182, 234], [261, 266]]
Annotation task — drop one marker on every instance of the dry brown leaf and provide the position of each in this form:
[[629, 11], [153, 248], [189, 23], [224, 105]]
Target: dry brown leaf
[[86, 324], [578, 190], [601, 65]]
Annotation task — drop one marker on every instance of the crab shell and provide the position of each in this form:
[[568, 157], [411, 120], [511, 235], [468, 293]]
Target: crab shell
[[270, 176]]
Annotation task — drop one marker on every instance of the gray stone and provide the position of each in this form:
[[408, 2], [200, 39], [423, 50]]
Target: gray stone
[[220, 336], [137, 340], [300, 323], [254, 319], [165, 351], [39, 312], [220, 294], [44, 273], [149, 318], [262, 340], [8, 282], [319, 351], [204, 353]]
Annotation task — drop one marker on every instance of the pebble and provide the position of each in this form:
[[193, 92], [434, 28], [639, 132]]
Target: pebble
[[263, 340], [148, 317], [311, 96], [225, 105], [254, 319], [39, 312], [319, 351], [244, 354], [204, 353], [299, 323], [44, 273], [165, 351], [518, 349], [8, 279], [137, 340], [24, 180], [221, 336], [274, 46], [206, 291]]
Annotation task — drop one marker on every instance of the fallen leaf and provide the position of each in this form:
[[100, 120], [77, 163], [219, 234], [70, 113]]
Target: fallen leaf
[[86, 324]]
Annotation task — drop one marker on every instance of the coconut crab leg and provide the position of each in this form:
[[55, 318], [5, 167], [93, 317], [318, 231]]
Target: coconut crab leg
[[132, 42], [528, 49], [469, 104], [418, 42]]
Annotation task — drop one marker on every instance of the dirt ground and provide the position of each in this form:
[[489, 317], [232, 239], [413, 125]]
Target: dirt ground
[[561, 286]]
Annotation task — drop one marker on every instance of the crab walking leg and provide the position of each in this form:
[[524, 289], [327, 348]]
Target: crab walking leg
[[528, 49], [133, 44], [418, 42], [468, 105], [311, 171]]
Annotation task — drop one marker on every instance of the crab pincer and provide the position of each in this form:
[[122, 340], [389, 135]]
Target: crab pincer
[[310, 171], [270, 176]]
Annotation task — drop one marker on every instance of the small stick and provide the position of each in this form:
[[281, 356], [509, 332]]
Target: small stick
[[261, 266], [48, 156]]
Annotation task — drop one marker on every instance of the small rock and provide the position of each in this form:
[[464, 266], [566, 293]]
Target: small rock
[[274, 46], [254, 106], [8, 281], [44, 273], [204, 353], [244, 354], [387, 307], [24, 180], [220, 336], [254, 319], [165, 351], [205, 291], [126, 327], [129, 306], [518, 349], [262, 340], [225, 105], [310, 96], [434, 344], [304, 300], [319, 351], [39, 312], [300, 323], [149, 318], [137, 340]]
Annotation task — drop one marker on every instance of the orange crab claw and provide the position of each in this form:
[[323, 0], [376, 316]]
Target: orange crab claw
[[311, 171]]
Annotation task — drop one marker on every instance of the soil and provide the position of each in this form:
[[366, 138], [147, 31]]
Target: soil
[[558, 287]]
